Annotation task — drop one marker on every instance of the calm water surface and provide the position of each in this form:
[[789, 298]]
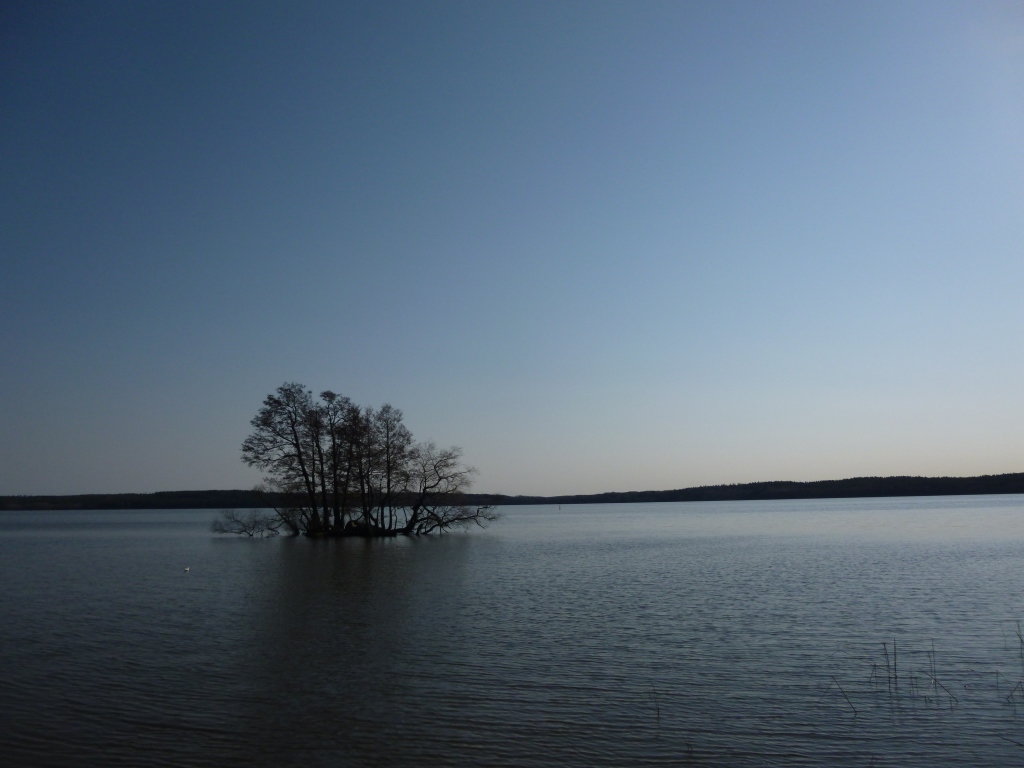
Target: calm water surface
[[614, 635]]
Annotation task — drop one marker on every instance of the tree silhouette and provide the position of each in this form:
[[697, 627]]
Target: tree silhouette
[[332, 467]]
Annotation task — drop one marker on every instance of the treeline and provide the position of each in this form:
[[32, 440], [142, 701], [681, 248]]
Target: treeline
[[161, 500], [855, 487], [851, 488]]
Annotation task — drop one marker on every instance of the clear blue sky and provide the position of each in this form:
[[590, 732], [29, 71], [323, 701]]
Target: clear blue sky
[[601, 246]]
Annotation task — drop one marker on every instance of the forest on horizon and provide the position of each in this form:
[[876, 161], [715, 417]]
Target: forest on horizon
[[855, 487]]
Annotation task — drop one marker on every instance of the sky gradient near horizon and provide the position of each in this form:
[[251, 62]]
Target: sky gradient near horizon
[[601, 246]]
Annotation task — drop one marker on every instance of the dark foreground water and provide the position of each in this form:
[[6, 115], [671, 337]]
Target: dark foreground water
[[705, 634]]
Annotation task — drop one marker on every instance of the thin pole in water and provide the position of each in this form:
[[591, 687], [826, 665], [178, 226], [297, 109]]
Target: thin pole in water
[[895, 676]]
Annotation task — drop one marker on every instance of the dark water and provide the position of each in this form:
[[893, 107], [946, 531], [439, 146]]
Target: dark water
[[618, 635]]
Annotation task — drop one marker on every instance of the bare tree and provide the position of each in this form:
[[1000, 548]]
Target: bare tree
[[284, 443], [335, 411], [394, 441], [439, 480]]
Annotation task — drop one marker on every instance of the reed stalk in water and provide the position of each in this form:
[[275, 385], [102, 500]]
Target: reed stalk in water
[[845, 696], [895, 676], [888, 672], [932, 659], [1017, 687]]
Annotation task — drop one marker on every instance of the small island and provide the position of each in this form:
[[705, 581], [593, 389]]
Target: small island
[[334, 468]]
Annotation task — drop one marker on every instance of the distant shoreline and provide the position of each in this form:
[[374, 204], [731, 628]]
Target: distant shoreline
[[851, 488]]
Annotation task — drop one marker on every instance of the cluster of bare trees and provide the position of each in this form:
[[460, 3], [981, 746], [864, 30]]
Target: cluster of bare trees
[[335, 468]]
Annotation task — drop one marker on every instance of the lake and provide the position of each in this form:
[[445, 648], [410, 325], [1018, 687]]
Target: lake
[[830, 632]]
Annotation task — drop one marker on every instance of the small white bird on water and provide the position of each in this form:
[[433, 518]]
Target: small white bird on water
[[186, 569]]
